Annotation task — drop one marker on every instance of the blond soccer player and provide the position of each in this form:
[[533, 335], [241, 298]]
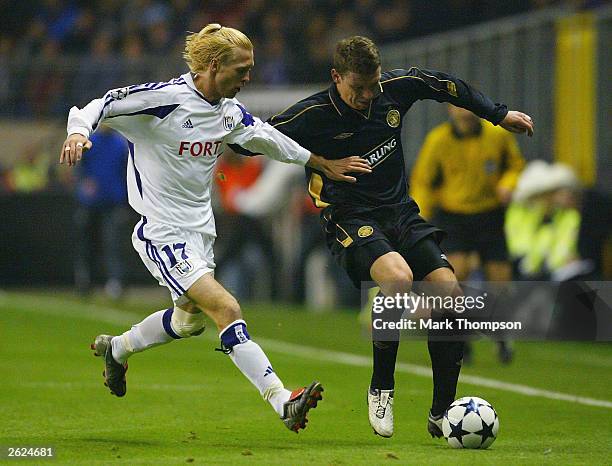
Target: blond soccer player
[[175, 131]]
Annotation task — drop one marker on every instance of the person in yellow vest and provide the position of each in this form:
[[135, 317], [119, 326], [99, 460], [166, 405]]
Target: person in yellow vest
[[30, 172], [542, 230], [556, 230], [462, 180]]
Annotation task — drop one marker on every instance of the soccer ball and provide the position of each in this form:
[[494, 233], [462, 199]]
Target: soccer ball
[[470, 422]]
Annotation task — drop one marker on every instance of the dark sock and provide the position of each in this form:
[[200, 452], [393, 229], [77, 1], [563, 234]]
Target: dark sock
[[446, 359], [384, 356]]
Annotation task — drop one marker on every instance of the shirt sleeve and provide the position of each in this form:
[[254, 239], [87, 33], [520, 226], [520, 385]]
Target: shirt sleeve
[[416, 84], [119, 104], [261, 138], [85, 120]]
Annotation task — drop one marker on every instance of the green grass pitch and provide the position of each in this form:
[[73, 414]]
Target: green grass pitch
[[188, 404]]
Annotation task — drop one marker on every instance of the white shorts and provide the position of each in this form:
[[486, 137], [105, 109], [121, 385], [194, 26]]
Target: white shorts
[[174, 256]]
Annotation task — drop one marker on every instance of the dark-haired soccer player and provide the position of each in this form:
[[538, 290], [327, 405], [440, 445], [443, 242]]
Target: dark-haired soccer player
[[373, 227]]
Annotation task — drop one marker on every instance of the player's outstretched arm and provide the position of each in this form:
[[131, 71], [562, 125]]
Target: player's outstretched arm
[[261, 138], [517, 122], [73, 148], [337, 169]]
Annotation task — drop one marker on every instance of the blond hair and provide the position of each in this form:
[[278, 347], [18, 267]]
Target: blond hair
[[213, 42]]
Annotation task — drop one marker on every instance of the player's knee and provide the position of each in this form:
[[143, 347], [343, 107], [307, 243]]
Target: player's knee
[[228, 311], [398, 281], [187, 324]]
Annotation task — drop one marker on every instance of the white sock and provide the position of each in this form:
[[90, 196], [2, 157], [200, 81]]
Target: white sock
[[144, 335], [277, 399], [254, 364]]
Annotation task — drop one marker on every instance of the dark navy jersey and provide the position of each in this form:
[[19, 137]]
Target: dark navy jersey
[[327, 126]]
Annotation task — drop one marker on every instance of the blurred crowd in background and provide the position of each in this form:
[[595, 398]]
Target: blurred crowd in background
[[138, 27], [115, 42]]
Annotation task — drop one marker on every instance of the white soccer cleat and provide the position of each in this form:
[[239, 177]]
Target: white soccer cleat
[[380, 411], [434, 425]]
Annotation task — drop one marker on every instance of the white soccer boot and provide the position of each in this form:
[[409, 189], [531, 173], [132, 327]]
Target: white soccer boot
[[380, 411], [434, 425]]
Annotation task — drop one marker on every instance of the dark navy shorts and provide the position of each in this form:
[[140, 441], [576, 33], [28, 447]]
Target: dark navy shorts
[[356, 239]]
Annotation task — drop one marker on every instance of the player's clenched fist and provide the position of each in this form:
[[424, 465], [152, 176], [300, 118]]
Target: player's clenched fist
[[73, 147]]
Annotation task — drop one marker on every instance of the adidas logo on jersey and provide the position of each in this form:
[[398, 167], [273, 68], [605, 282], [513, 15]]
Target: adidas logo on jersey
[[269, 371], [187, 124]]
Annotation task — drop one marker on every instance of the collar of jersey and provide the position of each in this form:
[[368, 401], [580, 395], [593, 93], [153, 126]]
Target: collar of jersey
[[189, 80], [342, 108]]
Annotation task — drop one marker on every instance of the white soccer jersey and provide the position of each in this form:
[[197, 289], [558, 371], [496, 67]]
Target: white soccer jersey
[[175, 136]]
